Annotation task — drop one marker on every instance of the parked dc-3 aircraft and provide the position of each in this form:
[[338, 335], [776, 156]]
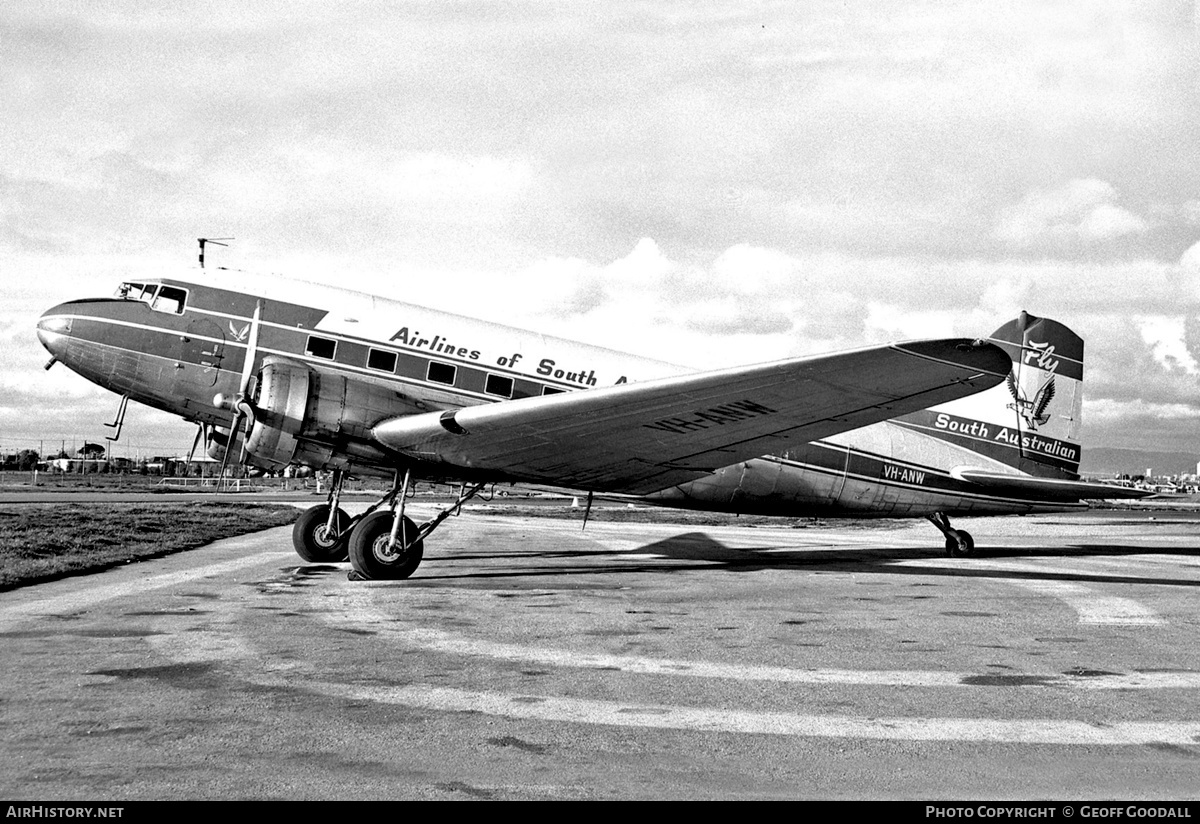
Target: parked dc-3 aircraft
[[336, 380]]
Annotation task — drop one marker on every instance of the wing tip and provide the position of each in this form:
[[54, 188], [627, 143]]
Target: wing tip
[[969, 353]]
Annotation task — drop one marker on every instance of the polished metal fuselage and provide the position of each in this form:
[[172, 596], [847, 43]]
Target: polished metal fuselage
[[375, 359]]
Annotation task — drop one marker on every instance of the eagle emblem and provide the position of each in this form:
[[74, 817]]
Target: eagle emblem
[[240, 334], [1033, 411]]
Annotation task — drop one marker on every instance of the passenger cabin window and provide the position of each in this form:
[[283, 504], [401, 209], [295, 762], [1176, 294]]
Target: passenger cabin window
[[498, 385], [550, 390], [381, 360], [321, 347], [442, 373]]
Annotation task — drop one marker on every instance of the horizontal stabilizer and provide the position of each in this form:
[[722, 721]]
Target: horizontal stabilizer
[[1057, 489]]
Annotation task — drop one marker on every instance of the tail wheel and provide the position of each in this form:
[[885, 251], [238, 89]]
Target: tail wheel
[[960, 544], [373, 559], [312, 539]]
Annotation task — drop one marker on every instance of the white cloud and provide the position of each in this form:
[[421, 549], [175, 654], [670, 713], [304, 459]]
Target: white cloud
[[1107, 221], [1191, 259], [1079, 210], [1187, 277], [756, 270], [886, 323], [727, 316], [434, 178], [813, 177], [1108, 411], [1166, 337], [646, 263]]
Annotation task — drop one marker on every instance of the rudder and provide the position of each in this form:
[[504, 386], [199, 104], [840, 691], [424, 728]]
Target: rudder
[[1032, 421]]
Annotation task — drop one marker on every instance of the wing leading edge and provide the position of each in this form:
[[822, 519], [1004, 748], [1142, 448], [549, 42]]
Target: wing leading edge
[[641, 437]]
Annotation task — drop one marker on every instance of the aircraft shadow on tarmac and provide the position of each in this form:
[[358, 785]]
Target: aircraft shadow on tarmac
[[707, 554]]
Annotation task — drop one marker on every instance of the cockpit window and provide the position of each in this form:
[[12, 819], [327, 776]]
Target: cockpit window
[[137, 291], [169, 299], [156, 296]]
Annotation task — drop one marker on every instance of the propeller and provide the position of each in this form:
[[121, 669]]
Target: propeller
[[201, 431], [240, 404]]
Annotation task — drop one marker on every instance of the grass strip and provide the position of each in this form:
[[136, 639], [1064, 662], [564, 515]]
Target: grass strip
[[42, 542]]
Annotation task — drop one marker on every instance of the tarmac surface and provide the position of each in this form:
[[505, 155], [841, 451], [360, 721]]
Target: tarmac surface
[[528, 659]]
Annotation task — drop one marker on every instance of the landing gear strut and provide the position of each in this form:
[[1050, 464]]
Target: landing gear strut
[[382, 545], [319, 535], [388, 545], [375, 555], [959, 542]]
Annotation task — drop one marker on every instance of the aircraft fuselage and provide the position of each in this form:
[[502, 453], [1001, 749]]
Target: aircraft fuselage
[[182, 345]]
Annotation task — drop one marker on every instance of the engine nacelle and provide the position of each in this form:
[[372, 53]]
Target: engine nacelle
[[317, 419], [279, 417], [217, 443]]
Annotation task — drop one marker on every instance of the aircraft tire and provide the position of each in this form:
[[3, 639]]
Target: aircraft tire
[[961, 545], [369, 551], [310, 540]]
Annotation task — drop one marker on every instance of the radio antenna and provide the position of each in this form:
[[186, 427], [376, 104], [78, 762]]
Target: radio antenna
[[214, 240]]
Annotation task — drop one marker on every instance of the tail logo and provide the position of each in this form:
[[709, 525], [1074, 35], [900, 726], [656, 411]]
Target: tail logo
[[1032, 410], [1043, 355]]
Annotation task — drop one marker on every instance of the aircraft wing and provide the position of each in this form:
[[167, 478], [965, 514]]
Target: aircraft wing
[[1055, 489], [641, 437]]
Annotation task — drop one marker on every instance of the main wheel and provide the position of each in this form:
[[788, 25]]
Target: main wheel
[[369, 554], [311, 538], [961, 545]]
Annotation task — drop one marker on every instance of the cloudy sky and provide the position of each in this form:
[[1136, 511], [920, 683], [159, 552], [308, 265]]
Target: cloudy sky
[[706, 183]]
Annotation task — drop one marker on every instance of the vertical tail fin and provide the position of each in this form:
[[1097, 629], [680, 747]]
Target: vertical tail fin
[[1032, 421]]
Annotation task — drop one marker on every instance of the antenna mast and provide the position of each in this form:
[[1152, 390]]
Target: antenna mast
[[214, 240]]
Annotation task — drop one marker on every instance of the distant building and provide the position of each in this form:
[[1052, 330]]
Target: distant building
[[156, 465], [83, 466], [199, 466]]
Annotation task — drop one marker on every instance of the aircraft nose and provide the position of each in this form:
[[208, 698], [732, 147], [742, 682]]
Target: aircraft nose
[[53, 328]]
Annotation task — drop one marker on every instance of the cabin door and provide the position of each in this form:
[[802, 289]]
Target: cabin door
[[201, 350]]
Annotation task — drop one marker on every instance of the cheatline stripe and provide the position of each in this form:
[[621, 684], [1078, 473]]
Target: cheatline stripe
[[333, 365], [401, 351], [993, 449], [939, 492], [360, 615]]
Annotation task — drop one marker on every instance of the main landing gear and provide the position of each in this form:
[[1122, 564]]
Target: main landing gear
[[319, 535], [382, 544], [959, 542]]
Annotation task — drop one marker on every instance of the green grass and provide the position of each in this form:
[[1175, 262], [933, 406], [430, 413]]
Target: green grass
[[42, 542]]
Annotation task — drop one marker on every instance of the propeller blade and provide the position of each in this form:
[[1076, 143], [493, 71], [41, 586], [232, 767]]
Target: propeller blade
[[242, 408], [195, 443], [251, 351], [233, 429]]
